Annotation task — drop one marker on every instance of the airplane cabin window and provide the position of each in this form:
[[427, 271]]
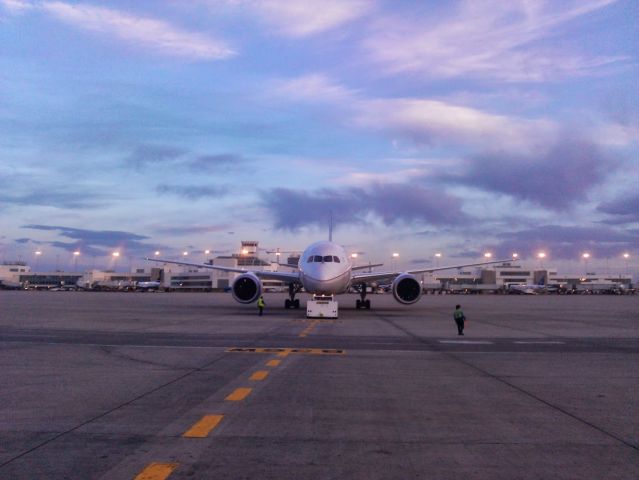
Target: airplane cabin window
[[317, 258], [310, 259], [328, 258], [336, 259]]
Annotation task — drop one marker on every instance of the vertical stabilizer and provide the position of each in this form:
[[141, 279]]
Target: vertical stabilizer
[[330, 228]]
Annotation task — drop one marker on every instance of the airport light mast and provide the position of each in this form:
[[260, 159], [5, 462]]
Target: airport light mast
[[586, 256]]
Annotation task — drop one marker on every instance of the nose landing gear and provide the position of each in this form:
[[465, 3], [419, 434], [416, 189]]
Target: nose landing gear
[[292, 302], [362, 302]]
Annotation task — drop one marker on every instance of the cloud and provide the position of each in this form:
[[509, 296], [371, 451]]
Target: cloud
[[194, 192], [301, 18], [438, 122], [623, 210], [52, 198], [568, 242], [148, 155], [16, 7], [142, 32], [216, 163], [314, 88], [423, 121], [96, 242], [488, 39], [391, 203], [180, 230], [555, 178]]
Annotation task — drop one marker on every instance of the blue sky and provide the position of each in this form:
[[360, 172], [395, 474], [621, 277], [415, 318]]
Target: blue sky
[[453, 127]]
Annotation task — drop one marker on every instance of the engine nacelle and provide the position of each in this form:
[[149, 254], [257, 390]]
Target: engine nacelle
[[246, 288], [406, 289]]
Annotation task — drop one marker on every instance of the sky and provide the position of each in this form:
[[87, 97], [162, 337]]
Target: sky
[[424, 126]]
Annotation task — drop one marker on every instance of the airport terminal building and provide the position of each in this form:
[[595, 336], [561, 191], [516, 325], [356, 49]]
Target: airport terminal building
[[169, 277]]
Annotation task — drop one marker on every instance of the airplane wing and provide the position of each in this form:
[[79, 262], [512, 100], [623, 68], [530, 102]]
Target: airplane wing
[[375, 276], [363, 267], [288, 265], [283, 276]]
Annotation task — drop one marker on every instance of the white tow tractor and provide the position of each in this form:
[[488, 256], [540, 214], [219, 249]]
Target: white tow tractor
[[321, 306]]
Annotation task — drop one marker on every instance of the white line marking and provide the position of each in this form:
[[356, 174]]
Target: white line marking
[[468, 342], [550, 342], [32, 342]]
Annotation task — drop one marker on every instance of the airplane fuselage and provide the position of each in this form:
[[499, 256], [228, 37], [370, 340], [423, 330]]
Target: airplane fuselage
[[325, 269]]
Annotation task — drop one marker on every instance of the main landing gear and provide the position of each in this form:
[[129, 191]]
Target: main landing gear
[[363, 302], [292, 302]]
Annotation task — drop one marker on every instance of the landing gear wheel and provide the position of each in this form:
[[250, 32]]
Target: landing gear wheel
[[367, 304], [358, 304], [296, 303], [287, 303]]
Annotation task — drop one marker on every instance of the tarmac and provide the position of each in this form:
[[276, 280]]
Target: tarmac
[[197, 386]]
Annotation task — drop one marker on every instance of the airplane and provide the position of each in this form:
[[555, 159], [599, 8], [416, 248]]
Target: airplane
[[535, 289], [324, 270], [147, 285]]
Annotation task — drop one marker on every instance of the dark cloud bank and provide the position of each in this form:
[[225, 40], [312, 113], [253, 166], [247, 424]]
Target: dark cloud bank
[[556, 179], [392, 203], [95, 242]]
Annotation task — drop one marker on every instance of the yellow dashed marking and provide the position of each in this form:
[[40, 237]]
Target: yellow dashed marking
[[259, 375], [309, 329], [284, 352], [157, 471], [239, 394], [202, 428], [273, 363]]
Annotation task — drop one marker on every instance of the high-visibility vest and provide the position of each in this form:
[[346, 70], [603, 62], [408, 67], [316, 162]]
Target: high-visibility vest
[[260, 303]]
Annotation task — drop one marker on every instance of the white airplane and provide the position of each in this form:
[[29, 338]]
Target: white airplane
[[535, 289], [325, 269], [149, 285]]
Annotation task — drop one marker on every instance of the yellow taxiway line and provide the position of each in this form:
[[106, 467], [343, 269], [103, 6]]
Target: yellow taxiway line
[[156, 471], [239, 394], [203, 427]]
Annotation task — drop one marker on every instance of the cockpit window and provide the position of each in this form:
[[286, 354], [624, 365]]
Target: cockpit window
[[317, 258], [310, 259], [328, 258], [336, 259]]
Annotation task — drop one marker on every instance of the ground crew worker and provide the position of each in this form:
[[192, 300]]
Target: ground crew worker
[[459, 319], [260, 305]]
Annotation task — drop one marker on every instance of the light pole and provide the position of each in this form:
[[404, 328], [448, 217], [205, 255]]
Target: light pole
[[115, 256], [394, 260], [76, 254], [541, 256], [438, 257], [37, 255], [626, 257], [354, 257], [586, 256]]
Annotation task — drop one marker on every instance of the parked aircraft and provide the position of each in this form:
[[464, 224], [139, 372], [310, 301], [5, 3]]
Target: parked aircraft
[[325, 269], [541, 287], [147, 285]]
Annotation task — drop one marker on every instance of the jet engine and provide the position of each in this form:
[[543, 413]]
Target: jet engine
[[406, 289], [246, 288]]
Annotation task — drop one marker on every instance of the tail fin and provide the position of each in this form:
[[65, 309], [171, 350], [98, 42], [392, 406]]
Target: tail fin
[[330, 228]]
